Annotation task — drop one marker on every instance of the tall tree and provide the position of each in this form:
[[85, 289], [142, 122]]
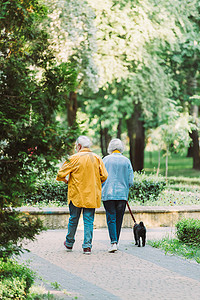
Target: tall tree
[[73, 38], [184, 62], [31, 140], [132, 38]]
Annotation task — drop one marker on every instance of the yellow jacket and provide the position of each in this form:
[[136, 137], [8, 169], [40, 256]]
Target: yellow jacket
[[86, 173]]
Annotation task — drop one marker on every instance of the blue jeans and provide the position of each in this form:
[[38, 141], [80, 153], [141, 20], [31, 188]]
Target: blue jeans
[[114, 215], [88, 219]]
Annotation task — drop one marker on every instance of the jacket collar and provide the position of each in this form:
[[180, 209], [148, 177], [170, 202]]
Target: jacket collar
[[85, 150]]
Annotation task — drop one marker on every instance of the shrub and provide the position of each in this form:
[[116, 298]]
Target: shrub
[[184, 180], [15, 280], [146, 187], [188, 231], [47, 191]]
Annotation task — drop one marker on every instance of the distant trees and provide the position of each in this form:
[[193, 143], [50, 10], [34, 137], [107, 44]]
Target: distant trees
[[140, 49], [185, 63], [134, 54]]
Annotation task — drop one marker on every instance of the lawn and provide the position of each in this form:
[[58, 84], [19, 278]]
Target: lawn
[[177, 165]]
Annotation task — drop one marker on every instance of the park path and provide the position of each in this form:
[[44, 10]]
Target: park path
[[130, 273]]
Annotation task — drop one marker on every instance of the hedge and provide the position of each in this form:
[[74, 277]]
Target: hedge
[[188, 231], [146, 187], [184, 180], [47, 191]]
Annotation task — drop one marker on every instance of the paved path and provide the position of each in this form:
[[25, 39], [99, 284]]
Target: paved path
[[130, 273]]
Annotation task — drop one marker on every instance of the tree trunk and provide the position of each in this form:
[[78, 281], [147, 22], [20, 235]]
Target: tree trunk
[[158, 168], [136, 133], [166, 164], [195, 147], [192, 87], [131, 135], [71, 104], [104, 140], [119, 129], [190, 150]]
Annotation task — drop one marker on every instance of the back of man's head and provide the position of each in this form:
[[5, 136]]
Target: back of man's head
[[84, 141]]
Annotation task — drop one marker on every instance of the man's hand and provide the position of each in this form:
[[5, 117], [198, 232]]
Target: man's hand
[[65, 181]]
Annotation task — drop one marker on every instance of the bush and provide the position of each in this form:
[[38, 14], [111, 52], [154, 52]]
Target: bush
[[188, 231], [184, 180], [15, 280], [47, 191], [146, 187]]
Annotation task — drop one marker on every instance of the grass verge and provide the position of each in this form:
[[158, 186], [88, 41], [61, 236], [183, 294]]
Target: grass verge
[[174, 246]]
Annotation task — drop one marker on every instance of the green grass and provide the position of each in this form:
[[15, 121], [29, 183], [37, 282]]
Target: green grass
[[174, 246], [41, 293], [177, 165]]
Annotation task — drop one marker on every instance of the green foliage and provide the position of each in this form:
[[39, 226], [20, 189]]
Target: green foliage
[[73, 38], [31, 89], [184, 180], [174, 246], [146, 187], [188, 231], [47, 192], [15, 280], [14, 228]]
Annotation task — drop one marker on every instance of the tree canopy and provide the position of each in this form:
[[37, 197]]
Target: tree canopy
[[31, 138]]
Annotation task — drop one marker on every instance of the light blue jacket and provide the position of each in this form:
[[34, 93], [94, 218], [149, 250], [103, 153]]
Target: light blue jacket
[[120, 177]]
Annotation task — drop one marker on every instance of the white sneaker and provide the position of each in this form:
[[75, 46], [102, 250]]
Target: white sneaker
[[113, 248]]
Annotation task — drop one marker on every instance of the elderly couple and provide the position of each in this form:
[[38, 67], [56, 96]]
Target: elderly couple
[[90, 180]]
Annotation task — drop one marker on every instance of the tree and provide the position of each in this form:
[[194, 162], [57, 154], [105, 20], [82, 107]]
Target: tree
[[130, 40], [184, 62], [31, 140], [134, 39], [173, 136], [73, 38]]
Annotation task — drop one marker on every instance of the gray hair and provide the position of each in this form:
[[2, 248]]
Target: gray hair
[[115, 144], [84, 141]]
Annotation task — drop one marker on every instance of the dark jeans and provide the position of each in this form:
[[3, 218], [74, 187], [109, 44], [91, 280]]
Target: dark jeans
[[114, 214]]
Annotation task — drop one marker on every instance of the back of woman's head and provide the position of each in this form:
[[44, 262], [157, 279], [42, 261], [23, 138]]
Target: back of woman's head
[[115, 144]]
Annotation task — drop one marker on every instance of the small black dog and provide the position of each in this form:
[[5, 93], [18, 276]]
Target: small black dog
[[139, 231]]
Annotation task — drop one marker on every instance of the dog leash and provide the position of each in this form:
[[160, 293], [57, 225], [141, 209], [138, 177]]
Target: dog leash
[[130, 212]]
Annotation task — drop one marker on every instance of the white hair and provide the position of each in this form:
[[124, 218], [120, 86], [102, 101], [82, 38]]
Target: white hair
[[84, 141], [115, 144]]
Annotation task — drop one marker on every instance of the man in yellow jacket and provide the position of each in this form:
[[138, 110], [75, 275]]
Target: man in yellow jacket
[[86, 174]]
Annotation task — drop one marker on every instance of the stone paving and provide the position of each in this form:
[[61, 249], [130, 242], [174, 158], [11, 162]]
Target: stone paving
[[130, 273]]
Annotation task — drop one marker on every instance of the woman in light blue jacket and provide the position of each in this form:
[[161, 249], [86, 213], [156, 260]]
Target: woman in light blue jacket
[[115, 189]]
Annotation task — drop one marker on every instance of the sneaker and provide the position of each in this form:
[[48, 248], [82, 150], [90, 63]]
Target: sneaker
[[113, 248], [69, 249], [87, 250]]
